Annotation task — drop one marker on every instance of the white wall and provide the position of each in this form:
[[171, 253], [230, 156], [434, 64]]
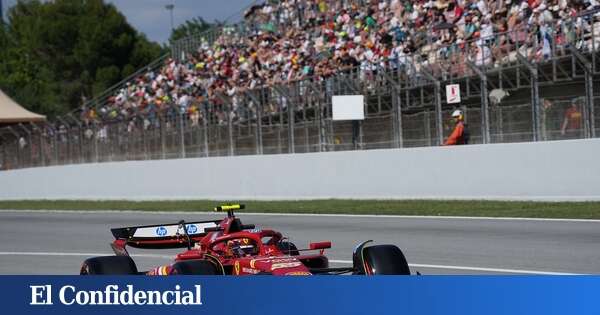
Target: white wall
[[561, 170]]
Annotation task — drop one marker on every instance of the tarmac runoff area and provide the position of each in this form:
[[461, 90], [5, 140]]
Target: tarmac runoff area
[[55, 242]]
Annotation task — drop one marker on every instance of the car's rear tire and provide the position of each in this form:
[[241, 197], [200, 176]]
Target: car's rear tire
[[288, 248], [197, 267], [385, 260], [109, 265]]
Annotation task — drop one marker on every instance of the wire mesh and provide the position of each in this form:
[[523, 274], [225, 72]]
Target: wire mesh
[[296, 116]]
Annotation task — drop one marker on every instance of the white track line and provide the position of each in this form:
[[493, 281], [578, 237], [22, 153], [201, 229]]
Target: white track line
[[241, 213], [78, 254], [500, 270]]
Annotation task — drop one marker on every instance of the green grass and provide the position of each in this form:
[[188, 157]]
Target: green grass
[[574, 210]]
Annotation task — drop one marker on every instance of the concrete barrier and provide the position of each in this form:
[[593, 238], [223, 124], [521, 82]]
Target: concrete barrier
[[559, 170]]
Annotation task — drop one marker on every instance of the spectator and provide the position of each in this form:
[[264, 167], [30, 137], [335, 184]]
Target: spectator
[[22, 142], [571, 126], [289, 40], [459, 135]]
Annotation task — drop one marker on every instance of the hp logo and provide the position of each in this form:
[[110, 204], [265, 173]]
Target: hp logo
[[192, 229], [161, 231]]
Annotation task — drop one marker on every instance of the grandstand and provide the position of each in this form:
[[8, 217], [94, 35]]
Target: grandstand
[[264, 86]]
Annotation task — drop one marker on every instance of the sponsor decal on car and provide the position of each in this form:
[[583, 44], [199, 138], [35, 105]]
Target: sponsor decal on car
[[274, 260], [159, 271], [236, 267], [161, 231], [172, 230], [192, 229], [250, 270], [285, 265], [298, 273]]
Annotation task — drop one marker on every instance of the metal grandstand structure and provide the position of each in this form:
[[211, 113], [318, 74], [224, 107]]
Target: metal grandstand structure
[[404, 106]]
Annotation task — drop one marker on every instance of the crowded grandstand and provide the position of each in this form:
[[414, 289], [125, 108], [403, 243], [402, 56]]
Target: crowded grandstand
[[246, 88], [287, 41]]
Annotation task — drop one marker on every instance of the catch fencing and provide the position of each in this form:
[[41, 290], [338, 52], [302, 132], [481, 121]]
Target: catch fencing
[[551, 79], [182, 136]]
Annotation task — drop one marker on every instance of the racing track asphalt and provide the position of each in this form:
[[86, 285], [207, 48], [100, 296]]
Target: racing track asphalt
[[56, 243]]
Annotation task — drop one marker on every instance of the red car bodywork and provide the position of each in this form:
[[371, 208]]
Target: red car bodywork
[[267, 257]]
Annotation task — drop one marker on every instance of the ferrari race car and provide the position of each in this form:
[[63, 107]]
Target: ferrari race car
[[229, 247]]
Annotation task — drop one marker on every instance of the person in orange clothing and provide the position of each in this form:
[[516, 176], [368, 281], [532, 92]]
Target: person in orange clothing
[[459, 135], [571, 127]]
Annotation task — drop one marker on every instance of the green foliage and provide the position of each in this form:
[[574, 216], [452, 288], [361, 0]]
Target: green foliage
[[54, 52], [190, 27], [104, 77]]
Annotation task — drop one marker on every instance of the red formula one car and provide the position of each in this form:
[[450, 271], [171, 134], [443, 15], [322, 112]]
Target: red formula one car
[[228, 247]]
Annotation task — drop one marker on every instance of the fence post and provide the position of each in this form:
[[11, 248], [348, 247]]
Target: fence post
[[96, 159], [291, 123], [161, 131], [280, 127], [128, 131], [143, 133], [5, 165], [321, 105], [437, 104], [29, 142], [17, 137], [259, 106], [543, 123], [315, 100], [3, 151], [181, 134], [42, 152], [438, 113], [67, 129], [306, 131], [535, 96], [427, 123], [5, 140], [500, 123], [589, 125], [109, 141], [590, 104], [205, 128], [485, 111], [229, 110], [286, 93], [55, 152], [259, 110], [35, 129], [396, 110], [399, 134], [80, 135], [230, 129]]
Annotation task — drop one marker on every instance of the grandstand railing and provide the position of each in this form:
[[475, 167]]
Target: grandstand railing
[[404, 108]]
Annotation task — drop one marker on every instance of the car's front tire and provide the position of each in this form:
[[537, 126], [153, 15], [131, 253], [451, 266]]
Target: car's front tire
[[385, 260], [379, 260], [109, 265]]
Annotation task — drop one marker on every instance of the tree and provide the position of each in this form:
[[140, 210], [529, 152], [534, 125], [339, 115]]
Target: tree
[[55, 52], [191, 27]]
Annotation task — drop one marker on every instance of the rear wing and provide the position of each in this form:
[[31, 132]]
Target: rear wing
[[170, 235]]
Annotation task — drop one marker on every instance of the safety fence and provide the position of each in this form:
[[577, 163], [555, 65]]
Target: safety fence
[[182, 136], [551, 72]]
